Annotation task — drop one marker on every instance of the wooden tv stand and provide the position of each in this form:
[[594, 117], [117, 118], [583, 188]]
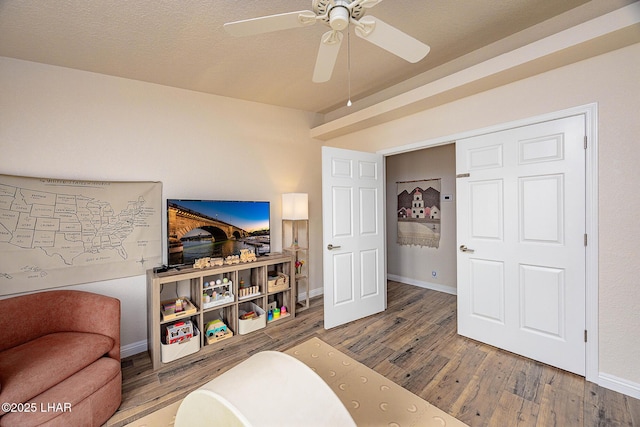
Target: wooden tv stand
[[191, 283]]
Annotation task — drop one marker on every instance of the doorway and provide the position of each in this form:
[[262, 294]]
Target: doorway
[[423, 266], [405, 263]]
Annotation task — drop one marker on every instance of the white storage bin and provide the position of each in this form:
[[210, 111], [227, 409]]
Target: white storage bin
[[249, 325], [171, 352]]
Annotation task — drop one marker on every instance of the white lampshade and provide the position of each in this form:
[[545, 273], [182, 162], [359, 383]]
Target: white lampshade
[[295, 206]]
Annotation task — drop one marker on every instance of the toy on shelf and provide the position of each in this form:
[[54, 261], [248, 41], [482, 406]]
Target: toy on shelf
[[202, 262], [248, 291], [249, 315], [179, 332], [180, 307], [275, 313], [247, 255], [207, 262], [217, 292], [217, 330], [176, 306], [232, 259]]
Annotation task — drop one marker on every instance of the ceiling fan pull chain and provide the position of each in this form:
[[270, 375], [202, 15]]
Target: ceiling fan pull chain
[[349, 63]]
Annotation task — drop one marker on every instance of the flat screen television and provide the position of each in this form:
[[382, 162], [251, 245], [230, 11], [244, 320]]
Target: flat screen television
[[215, 228]]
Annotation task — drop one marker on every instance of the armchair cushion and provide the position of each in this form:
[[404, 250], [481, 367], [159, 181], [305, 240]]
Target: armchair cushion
[[31, 368], [95, 397]]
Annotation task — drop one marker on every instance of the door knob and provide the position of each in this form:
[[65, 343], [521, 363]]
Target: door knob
[[330, 246], [463, 248]]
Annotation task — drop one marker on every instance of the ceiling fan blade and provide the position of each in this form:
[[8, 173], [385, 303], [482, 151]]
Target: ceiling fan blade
[[327, 55], [365, 3], [266, 24], [391, 39]]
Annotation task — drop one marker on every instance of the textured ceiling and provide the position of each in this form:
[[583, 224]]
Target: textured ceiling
[[183, 44]]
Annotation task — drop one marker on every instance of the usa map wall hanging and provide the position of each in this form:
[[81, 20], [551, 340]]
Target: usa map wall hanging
[[61, 232]]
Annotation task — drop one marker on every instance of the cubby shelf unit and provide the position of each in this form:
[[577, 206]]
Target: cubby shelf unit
[[192, 283]]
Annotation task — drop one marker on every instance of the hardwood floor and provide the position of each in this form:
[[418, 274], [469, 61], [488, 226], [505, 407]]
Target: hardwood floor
[[413, 343]]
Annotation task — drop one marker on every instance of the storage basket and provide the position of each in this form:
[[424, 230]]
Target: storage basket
[[171, 352], [278, 283], [246, 326]]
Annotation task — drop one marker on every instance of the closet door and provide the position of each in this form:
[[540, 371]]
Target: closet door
[[521, 240]]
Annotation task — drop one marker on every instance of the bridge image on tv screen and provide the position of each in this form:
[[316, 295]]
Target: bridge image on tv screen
[[215, 228]]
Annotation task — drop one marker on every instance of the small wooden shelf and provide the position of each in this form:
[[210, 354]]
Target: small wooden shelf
[[295, 240], [296, 248]]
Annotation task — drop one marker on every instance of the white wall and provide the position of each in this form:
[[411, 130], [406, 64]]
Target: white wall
[[62, 123], [612, 81], [415, 264]]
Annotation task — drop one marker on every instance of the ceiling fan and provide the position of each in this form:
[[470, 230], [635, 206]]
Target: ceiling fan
[[337, 14]]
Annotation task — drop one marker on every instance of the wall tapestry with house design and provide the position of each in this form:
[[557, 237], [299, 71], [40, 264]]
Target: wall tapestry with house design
[[419, 213], [61, 232]]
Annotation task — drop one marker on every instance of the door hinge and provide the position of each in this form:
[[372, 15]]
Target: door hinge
[[585, 239], [585, 335], [463, 175], [585, 142]]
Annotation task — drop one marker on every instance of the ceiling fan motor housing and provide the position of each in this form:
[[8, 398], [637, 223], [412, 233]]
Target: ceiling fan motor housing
[[337, 12], [339, 18]]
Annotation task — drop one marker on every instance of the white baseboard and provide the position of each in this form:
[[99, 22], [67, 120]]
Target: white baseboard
[[427, 285], [619, 384], [133, 348], [313, 293]]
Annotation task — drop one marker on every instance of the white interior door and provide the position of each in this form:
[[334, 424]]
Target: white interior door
[[521, 235], [353, 235]]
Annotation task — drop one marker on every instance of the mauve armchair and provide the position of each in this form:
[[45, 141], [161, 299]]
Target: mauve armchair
[[59, 359]]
